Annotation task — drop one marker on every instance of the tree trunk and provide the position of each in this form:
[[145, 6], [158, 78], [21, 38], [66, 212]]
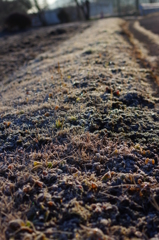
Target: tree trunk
[[137, 6], [119, 7], [40, 13], [87, 10], [85, 7]]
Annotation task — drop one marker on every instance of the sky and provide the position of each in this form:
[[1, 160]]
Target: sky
[[55, 3], [50, 1]]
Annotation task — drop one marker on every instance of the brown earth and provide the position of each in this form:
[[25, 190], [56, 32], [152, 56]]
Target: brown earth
[[151, 22], [18, 48], [146, 31], [79, 142]]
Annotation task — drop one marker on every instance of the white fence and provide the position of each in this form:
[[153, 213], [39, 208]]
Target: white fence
[[147, 8], [100, 8], [51, 16]]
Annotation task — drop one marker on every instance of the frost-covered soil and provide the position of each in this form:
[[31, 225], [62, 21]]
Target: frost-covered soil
[[79, 143]]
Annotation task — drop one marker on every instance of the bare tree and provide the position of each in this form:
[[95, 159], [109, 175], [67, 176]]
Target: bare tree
[[84, 5], [40, 10], [40, 6]]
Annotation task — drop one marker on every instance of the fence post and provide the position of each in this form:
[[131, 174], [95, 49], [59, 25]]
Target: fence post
[[119, 8], [137, 6]]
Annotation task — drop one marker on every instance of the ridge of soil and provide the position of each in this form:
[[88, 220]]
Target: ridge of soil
[[151, 46], [79, 142], [145, 31], [19, 47], [151, 22]]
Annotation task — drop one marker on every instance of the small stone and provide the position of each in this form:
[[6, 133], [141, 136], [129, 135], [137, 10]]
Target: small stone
[[16, 224]]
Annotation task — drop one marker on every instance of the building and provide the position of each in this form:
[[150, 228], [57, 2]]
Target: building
[[148, 8]]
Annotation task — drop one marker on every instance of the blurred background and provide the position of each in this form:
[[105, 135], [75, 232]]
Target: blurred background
[[31, 27], [50, 12]]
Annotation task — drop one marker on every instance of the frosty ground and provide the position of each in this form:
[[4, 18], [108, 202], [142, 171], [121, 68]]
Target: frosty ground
[[79, 133]]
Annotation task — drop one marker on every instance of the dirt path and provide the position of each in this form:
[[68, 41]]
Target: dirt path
[[151, 23], [79, 143], [145, 31]]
